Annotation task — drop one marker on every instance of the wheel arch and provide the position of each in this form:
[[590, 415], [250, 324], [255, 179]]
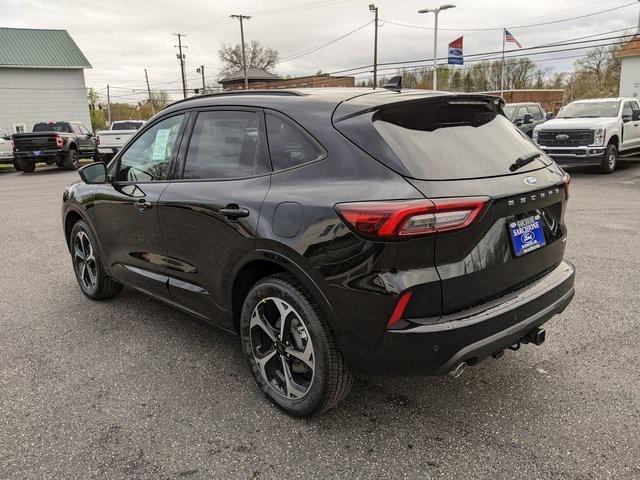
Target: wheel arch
[[260, 264], [73, 146], [70, 219], [615, 140]]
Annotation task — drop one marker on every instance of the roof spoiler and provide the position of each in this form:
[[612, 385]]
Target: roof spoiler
[[394, 84]]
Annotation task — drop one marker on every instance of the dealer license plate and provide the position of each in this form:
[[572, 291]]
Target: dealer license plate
[[527, 235]]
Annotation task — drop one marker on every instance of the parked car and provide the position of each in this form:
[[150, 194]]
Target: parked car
[[6, 148], [526, 116], [62, 143], [592, 132], [335, 230], [112, 140]]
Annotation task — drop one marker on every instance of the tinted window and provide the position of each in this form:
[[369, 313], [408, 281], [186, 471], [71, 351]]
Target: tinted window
[[62, 127], [535, 111], [627, 111], [289, 146], [149, 157], [225, 144], [442, 139], [83, 129], [521, 112], [634, 105]]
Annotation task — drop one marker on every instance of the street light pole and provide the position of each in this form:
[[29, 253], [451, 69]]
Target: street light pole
[[244, 55], [373, 8], [436, 11]]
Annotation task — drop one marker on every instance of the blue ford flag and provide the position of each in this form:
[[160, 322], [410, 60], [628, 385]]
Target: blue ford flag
[[455, 52]]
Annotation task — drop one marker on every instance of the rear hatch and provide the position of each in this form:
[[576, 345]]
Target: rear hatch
[[457, 146], [115, 138]]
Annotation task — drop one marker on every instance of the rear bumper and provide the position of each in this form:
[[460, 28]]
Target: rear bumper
[[567, 156], [44, 156], [109, 150], [469, 336]]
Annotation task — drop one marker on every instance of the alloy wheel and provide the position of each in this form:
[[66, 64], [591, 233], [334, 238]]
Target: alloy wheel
[[282, 348], [85, 260]]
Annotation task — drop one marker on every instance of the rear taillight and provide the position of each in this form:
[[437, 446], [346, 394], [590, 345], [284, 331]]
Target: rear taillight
[[567, 181], [391, 220], [59, 141]]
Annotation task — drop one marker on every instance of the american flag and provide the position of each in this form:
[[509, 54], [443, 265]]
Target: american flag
[[509, 38]]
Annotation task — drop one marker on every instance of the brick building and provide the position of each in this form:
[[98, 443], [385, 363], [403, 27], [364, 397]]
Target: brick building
[[261, 79]]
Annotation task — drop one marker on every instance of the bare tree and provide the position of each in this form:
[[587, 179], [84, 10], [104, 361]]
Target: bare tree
[[257, 56]]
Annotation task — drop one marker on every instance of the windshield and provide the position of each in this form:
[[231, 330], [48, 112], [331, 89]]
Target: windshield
[[590, 110], [509, 110], [62, 127], [126, 125]]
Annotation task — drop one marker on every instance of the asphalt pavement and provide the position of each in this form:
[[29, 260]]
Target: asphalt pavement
[[131, 389]]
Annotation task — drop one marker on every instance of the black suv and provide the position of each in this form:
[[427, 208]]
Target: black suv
[[335, 230]]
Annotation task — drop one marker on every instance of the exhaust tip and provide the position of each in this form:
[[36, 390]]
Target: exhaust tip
[[458, 370]]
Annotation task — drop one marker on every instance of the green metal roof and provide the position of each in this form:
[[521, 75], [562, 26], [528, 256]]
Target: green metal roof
[[25, 47]]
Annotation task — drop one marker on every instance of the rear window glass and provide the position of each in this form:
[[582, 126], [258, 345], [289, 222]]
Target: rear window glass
[[62, 127], [445, 140], [126, 125]]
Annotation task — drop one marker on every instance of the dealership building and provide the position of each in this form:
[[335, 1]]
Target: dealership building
[[41, 79]]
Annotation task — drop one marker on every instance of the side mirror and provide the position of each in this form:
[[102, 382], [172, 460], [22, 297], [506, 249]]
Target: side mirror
[[549, 115], [528, 118], [636, 115], [94, 173], [7, 137], [627, 118]]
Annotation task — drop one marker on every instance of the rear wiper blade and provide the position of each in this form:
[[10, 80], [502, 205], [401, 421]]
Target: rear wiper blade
[[522, 161]]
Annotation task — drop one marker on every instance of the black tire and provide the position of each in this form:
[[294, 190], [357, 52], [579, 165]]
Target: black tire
[[16, 166], [331, 379], [26, 166], [72, 161], [102, 286], [609, 159]]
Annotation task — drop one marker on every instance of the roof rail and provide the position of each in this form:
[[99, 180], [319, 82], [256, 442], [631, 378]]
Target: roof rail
[[243, 92]]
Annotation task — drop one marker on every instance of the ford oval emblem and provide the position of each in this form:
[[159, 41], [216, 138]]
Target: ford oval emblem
[[530, 180], [562, 136]]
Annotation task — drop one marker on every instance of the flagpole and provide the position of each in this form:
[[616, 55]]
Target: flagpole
[[504, 34]]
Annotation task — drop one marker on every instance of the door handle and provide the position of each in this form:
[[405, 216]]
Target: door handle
[[143, 205], [233, 212]]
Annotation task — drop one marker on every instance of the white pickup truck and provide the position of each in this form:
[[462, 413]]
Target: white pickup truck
[[593, 132], [112, 140]]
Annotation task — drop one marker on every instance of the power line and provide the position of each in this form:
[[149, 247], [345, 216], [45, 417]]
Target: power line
[[302, 53], [562, 43], [478, 29]]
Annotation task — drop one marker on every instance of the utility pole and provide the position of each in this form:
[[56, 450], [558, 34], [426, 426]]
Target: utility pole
[[435, 39], [201, 70], [504, 36], [373, 8], [146, 77], [181, 58], [108, 107], [244, 55]]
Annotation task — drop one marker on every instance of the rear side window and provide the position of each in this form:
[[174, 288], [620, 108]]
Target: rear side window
[[289, 145], [225, 144], [442, 139]]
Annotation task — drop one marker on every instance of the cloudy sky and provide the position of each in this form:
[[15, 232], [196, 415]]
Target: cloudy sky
[[122, 38]]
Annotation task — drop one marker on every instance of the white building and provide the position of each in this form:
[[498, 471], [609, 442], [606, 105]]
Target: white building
[[630, 68], [41, 79]]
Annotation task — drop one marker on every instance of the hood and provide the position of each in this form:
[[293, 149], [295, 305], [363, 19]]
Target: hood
[[565, 123]]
